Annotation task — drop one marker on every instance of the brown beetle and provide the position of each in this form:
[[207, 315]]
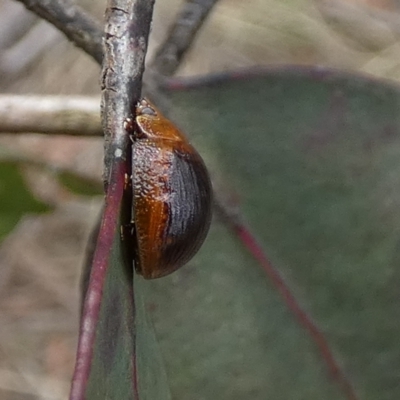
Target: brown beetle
[[171, 195]]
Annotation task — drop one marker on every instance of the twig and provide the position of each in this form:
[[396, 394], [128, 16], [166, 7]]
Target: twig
[[77, 25], [63, 115], [127, 30], [181, 35]]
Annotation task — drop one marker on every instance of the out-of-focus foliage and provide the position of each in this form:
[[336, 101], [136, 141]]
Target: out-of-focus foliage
[[15, 198]]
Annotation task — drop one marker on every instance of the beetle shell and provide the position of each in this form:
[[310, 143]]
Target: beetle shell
[[171, 194]]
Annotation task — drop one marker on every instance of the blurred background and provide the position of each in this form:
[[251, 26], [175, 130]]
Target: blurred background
[[41, 257]]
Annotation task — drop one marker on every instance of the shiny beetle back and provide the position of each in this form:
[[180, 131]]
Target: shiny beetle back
[[171, 194]]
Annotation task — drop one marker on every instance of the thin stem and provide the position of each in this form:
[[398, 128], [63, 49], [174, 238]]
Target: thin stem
[[77, 25], [181, 36], [62, 115]]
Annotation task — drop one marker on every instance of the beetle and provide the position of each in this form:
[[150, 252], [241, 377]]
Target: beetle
[[172, 194]]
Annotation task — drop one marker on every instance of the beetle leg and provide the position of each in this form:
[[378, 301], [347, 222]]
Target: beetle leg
[[129, 124], [127, 181]]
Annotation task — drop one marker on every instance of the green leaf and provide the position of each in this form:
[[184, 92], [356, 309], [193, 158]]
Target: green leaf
[[118, 357], [15, 198], [314, 158]]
